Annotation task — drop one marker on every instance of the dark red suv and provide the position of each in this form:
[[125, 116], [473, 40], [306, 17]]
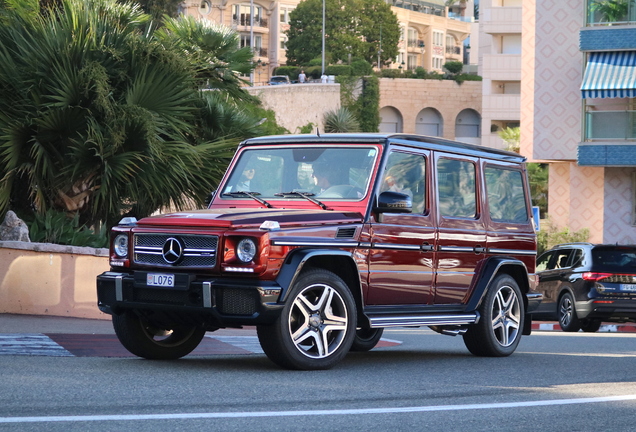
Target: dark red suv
[[321, 242]]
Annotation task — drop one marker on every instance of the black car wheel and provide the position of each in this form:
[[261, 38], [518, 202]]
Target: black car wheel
[[366, 339], [317, 325], [568, 320], [499, 329], [590, 326], [147, 341]]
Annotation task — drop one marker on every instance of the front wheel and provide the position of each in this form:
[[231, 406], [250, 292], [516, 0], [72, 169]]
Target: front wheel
[[500, 326], [145, 340], [316, 327], [568, 320]]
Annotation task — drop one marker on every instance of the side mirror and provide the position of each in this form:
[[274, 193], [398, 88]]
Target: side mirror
[[394, 202]]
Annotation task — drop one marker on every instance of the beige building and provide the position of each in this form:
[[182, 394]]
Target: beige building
[[500, 67], [431, 32]]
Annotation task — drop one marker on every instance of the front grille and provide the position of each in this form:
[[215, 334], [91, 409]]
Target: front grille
[[237, 302], [198, 251]]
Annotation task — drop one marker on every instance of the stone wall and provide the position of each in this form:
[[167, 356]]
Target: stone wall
[[48, 279], [296, 105]]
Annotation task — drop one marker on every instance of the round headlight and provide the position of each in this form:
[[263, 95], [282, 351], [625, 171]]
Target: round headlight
[[246, 250], [120, 245]]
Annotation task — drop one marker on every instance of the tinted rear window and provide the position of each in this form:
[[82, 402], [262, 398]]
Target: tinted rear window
[[618, 259]]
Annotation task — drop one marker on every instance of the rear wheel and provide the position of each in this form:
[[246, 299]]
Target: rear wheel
[[500, 326], [590, 326], [366, 339], [317, 325], [145, 340], [568, 320]]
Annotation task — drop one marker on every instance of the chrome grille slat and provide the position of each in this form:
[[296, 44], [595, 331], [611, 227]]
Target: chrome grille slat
[[199, 250]]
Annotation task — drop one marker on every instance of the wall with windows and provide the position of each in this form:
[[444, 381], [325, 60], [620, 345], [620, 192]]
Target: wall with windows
[[431, 107]]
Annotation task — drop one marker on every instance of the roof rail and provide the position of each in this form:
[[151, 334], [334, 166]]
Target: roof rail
[[575, 243]]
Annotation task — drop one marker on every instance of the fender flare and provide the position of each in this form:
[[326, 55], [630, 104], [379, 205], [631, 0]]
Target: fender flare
[[488, 272], [297, 259]]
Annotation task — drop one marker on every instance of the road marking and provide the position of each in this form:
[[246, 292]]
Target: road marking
[[34, 344], [248, 414], [613, 355]]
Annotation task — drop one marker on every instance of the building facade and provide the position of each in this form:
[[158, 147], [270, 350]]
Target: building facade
[[578, 112], [500, 67], [432, 33]]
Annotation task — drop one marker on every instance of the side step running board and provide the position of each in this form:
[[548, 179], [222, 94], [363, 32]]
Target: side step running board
[[422, 320]]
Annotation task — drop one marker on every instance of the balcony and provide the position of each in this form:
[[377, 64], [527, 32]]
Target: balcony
[[609, 13], [419, 6], [610, 126], [244, 20], [501, 20], [502, 67], [453, 50]]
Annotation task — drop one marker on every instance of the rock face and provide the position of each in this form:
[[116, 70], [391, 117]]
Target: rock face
[[14, 229]]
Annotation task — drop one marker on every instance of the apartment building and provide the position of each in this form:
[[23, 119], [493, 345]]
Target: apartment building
[[500, 67], [431, 32], [578, 111]]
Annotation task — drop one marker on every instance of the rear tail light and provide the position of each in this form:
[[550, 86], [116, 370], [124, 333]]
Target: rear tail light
[[590, 276]]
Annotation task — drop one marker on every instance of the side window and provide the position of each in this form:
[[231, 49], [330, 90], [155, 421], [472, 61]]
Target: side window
[[406, 173], [561, 258], [506, 197], [543, 261], [456, 184], [577, 259]]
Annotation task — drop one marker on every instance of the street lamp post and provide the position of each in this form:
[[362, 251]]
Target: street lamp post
[[323, 37], [252, 37]]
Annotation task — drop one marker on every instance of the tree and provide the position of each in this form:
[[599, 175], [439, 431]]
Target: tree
[[611, 10], [512, 137], [352, 28], [102, 116], [158, 8]]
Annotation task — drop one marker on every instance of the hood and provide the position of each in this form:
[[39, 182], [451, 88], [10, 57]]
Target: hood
[[244, 218]]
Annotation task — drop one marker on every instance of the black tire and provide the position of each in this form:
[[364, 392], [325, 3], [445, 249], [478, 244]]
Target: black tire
[[147, 341], [566, 311], [500, 326], [366, 339], [590, 326], [319, 308]]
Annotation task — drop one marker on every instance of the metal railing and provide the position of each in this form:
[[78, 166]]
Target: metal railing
[[419, 6], [610, 12], [244, 20], [415, 43], [453, 50], [610, 125]]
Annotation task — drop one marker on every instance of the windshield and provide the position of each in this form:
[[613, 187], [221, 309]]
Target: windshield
[[339, 173]]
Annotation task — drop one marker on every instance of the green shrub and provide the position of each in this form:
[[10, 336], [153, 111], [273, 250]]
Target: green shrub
[[550, 236], [307, 129], [361, 68], [313, 72], [338, 70], [291, 71], [391, 73], [420, 72], [454, 67], [57, 227]]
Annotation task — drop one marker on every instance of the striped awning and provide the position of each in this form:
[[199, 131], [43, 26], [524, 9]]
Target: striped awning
[[610, 75]]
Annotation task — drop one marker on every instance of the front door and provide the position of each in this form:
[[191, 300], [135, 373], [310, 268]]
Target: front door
[[401, 257]]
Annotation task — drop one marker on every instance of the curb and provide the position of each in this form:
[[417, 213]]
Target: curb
[[605, 327]]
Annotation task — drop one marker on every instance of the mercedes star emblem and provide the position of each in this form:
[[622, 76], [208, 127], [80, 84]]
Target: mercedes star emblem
[[172, 250]]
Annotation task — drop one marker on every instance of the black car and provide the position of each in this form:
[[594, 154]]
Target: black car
[[584, 284]]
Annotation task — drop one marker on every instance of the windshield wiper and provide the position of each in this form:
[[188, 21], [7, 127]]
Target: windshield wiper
[[253, 195], [306, 195]]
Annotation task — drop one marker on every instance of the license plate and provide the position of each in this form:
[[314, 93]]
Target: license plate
[[160, 279], [628, 287]]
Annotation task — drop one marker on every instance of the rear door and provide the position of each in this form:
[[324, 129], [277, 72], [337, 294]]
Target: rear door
[[461, 239]]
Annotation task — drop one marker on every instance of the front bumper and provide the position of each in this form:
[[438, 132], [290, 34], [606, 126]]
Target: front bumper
[[194, 300]]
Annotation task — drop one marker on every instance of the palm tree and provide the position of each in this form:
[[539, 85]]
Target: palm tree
[[611, 10], [341, 121], [101, 115]]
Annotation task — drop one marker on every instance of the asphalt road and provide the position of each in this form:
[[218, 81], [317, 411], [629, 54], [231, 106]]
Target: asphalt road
[[555, 381]]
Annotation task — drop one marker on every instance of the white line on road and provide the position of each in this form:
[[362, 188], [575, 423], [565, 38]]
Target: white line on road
[[394, 410]]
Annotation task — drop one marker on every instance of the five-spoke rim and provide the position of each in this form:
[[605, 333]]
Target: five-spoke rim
[[506, 316], [567, 311], [318, 321]]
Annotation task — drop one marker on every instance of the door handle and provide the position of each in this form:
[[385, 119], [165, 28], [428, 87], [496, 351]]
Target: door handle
[[478, 249], [427, 248]]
